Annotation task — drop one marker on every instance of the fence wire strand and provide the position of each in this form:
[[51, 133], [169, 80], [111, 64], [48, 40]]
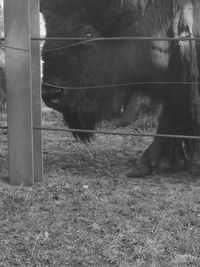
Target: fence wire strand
[[15, 48], [114, 85], [91, 40], [82, 40], [66, 46], [117, 38], [119, 133], [122, 133]]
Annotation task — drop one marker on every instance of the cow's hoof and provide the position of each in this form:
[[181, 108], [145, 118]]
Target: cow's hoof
[[138, 170]]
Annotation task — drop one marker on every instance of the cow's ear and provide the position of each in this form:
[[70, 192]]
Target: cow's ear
[[113, 9]]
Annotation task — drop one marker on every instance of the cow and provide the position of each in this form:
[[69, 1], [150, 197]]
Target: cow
[[166, 70]]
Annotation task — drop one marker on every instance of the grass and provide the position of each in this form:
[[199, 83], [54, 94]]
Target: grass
[[87, 213]]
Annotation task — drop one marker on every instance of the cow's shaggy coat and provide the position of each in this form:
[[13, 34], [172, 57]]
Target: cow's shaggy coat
[[112, 62]]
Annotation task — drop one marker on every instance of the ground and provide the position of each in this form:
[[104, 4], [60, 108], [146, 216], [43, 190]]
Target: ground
[[87, 213]]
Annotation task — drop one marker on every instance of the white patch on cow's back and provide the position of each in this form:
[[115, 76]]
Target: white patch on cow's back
[[187, 16], [42, 35], [42, 26]]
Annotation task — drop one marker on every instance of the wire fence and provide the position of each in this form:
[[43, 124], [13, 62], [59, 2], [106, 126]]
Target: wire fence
[[81, 40]]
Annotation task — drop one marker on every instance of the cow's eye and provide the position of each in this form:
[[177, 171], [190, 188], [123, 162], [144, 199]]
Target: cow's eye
[[88, 35]]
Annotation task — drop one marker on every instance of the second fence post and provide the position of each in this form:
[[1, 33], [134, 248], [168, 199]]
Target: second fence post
[[36, 89]]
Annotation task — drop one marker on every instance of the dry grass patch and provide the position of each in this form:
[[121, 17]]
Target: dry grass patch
[[86, 213]]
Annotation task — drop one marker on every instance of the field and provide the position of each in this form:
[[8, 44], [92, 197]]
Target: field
[[87, 213]]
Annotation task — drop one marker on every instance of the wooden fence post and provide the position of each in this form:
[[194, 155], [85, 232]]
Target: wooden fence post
[[36, 89], [19, 94]]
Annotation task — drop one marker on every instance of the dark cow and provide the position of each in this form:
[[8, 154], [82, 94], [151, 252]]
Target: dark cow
[[107, 62]]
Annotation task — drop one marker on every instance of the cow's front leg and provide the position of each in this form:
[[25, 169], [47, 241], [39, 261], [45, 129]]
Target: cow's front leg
[[149, 160]]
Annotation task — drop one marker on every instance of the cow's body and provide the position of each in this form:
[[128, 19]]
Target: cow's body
[[115, 62]]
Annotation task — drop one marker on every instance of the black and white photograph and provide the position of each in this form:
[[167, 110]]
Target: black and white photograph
[[100, 133]]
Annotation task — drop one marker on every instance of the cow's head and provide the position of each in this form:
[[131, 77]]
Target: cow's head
[[90, 63], [78, 63]]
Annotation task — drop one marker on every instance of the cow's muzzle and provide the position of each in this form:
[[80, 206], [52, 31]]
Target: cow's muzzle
[[51, 96]]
